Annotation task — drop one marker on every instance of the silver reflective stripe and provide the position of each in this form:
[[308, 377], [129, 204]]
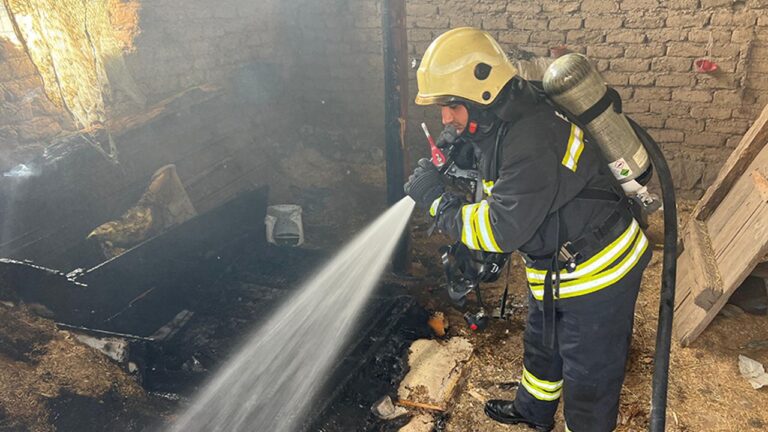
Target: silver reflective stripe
[[483, 222], [596, 263], [574, 149], [467, 234], [601, 280]]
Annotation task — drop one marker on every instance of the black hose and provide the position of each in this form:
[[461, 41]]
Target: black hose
[[669, 271]]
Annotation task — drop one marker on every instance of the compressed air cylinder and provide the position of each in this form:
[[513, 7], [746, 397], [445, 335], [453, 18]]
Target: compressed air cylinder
[[574, 84]]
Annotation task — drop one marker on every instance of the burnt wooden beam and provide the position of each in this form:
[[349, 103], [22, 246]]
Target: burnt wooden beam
[[395, 48]]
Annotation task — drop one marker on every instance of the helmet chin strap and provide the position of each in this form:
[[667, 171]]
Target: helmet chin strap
[[482, 123]]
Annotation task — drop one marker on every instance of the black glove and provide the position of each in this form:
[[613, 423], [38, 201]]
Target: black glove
[[425, 184]]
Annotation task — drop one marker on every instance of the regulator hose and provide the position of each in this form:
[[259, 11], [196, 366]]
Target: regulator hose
[[668, 275]]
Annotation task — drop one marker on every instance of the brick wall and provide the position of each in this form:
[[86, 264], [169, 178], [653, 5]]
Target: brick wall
[[334, 53], [184, 43], [644, 48]]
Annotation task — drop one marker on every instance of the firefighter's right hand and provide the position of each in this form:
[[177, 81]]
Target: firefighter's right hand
[[425, 185]]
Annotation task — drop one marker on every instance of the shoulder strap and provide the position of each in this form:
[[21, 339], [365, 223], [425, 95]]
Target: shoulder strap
[[610, 97]]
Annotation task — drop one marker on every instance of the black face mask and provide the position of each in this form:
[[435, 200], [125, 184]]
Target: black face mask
[[460, 151]]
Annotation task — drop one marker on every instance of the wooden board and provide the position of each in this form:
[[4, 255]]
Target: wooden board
[[705, 274], [749, 146], [730, 237]]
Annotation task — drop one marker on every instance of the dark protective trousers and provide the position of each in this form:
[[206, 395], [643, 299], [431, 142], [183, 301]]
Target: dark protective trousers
[[586, 366]]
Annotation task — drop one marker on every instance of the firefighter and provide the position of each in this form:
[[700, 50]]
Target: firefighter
[[548, 194]]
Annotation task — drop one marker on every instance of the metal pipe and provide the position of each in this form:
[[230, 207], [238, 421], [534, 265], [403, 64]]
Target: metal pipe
[[669, 273], [395, 47]]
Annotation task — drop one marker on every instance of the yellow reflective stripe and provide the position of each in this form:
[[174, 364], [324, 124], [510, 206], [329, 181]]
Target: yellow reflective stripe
[[484, 230], [596, 263], [567, 429], [488, 186], [539, 393], [602, 280], [574, 149], [549, 386], [468, 236], [434, 206]]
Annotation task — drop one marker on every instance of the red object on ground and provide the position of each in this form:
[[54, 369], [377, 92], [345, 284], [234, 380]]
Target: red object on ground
[[703, 65]]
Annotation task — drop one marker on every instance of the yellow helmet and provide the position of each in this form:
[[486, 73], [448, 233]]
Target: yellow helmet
[[463, 63]]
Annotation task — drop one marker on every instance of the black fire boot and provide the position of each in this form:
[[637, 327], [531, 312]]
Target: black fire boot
[[504, 411]]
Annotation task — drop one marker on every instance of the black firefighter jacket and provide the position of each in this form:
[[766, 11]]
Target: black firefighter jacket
[[531, 203]]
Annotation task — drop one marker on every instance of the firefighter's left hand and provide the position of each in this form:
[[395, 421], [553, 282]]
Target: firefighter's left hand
[[425, 185]]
